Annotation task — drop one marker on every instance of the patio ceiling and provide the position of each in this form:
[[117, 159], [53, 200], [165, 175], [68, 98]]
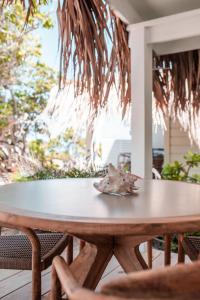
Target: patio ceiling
[[134, 11]]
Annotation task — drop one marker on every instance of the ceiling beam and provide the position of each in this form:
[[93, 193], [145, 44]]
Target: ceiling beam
[[177, 46], [162, 20], [174, 30], [125, 11], [172, 34]]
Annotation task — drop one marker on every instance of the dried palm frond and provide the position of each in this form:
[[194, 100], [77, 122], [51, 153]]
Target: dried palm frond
[[123, 61], [180, 74], [176, 88], [94, 40], [94, 45]]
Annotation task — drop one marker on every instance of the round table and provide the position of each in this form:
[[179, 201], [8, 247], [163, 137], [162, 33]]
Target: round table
[[112, 225]]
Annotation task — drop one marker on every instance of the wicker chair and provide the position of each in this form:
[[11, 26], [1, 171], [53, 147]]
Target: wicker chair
[[180, 282], [33, 250], [191, 246]]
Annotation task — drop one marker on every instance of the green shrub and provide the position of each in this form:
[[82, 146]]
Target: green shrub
[[182, 171], [51, 173]]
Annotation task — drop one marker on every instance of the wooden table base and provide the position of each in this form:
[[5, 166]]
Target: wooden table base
[[89, 266]]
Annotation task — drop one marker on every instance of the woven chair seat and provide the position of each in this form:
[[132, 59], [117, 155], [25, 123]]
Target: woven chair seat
[[16, 250], [191, 245]]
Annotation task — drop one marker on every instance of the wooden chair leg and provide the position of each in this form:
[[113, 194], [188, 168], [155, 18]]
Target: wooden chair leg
[[150, 253], [55, 293], [167, 239], [36, 263], [36, 278], [70, 251], [181, 253]]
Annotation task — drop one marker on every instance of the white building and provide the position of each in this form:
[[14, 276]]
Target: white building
[[165, 26]]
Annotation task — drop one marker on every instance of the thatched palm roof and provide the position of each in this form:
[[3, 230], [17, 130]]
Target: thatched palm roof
[[95, 41]]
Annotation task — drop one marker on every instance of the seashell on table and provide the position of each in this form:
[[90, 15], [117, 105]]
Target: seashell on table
[[117, 182]]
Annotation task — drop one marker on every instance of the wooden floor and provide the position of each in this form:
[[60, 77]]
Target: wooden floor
[[16, 285]]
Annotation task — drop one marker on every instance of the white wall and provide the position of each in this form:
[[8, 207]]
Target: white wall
[[177, 143], [112, 147]]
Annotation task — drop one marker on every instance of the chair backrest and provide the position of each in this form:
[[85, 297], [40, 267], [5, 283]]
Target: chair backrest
[[177, 282]]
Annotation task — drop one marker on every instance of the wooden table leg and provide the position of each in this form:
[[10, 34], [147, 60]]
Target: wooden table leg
[[127, 252], [103, 256], [130, 259], [89, 265], [81, 245]]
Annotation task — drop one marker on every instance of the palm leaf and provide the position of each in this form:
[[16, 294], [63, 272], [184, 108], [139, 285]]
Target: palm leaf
[[91, 36], [181, 75], [95, 43]]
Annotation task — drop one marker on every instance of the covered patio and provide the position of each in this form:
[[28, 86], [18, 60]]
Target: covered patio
[[154, 27], [111, 232]]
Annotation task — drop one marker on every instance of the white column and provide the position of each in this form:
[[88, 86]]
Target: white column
[[141, 85]]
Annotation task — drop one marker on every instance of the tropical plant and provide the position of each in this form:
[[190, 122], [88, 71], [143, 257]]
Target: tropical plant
[[182, 171], [62, 149], [17, 44], [24, 84], [54, 173]]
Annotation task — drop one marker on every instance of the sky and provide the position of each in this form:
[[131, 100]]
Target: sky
[[49, 38]]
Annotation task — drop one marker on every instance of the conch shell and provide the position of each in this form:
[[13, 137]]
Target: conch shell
[[117, 182]]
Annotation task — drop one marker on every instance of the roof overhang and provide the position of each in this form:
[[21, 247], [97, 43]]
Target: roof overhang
[[135, 11]]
